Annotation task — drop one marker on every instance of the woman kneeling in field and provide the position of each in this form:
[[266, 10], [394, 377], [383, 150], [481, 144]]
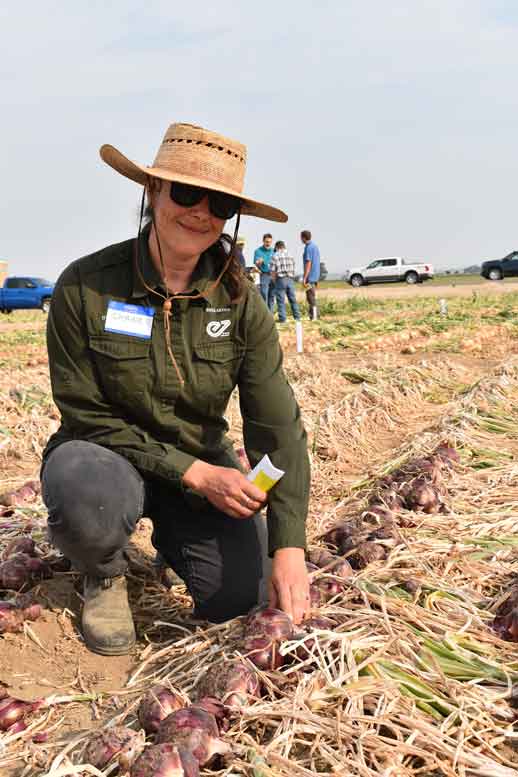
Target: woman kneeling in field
[[147, 340]]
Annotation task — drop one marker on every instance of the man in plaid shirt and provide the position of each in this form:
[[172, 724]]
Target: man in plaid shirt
[[282, 267]]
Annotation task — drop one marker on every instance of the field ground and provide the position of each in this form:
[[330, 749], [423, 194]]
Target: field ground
[[407, 684]]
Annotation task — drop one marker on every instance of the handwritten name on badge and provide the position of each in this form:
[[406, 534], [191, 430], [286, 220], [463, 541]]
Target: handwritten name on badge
[[133, 320]]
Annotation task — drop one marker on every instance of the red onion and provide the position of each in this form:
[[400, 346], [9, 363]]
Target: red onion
[[195, 729], [274, 623], [118, 742], [156, 705], [231, 682], [378, 512], [365, 554], [320, 557], [342, 569], [448, 454], [422, 497], [342, 532], [11, 711], [263, 651], [311, 567], [329, 588], [19, 545], [316, 596], [18, 496], [505, 625], [14, 573], [21, 570], [304, 651], [38, 569], [222, 712], [165, 760], [12, 617]]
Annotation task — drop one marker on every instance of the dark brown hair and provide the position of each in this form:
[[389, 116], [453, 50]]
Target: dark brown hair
[[268, 234], [305, 234]]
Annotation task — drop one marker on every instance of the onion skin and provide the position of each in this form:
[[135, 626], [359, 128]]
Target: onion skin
[[117, 742], [19, 545], [506, 626], [12, 617], [157, 704], [231, 682], [11, 711], [271, 622], [316, 596], [263, 651], [165, 760], [320, 557], [329, 588], [195, 729], [448, 454], [221, 711], [422, 497], [21, 570], [26, 493], [14, 572], [365, 554], [304, 651]]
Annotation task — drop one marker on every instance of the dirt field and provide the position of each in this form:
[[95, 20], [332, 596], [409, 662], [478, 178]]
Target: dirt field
[[404, 291], [383, 378]]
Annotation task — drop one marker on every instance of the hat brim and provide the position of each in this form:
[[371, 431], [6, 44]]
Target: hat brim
[[139, 173]]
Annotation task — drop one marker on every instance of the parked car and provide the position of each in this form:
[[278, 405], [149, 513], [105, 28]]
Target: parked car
[[25, 293], [496, 269], [389, 269]]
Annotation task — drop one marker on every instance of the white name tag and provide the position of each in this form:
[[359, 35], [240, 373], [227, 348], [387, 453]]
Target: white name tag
[[131, 320]]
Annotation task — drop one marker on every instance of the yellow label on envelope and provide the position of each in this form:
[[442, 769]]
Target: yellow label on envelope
[[263, 482]]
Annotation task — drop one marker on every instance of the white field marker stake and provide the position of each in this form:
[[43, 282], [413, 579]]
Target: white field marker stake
[[299, 335]]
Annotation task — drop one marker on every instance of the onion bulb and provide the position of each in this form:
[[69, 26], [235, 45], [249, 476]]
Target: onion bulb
[[231, 682], [165, 760], [365, 554], [263, 651], [156, 705], [274, 623], [118, 742], [195, 729]]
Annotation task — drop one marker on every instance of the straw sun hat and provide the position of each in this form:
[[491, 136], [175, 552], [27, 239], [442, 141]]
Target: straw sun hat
[[193, 155]]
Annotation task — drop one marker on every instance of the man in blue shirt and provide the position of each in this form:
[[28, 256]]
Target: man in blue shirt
[[311, 275], [262, 258]]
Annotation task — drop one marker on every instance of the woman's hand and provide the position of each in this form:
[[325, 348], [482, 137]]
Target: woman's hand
[[225, 488], [289, 583]]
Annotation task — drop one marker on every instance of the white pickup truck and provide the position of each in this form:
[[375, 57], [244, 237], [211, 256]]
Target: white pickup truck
[[389, 268]]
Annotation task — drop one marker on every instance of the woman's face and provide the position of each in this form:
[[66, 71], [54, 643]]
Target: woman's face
[[187, 231]]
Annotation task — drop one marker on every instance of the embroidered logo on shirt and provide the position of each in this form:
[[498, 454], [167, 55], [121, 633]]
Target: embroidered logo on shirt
[[218, 328]]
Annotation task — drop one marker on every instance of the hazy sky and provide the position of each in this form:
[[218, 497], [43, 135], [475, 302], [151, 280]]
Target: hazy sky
[[384, 127]]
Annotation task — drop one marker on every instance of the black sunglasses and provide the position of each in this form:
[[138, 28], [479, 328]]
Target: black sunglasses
[[223, 206]]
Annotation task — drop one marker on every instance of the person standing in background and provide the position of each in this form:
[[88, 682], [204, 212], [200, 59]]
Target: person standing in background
[[240, 244], [311, 274], [282, 268], [262, 258]]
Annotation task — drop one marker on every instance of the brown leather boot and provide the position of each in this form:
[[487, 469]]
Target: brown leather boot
[[108, 626]]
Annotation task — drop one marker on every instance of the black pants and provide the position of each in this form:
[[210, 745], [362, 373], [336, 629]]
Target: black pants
[[311, 297], [96, 497]]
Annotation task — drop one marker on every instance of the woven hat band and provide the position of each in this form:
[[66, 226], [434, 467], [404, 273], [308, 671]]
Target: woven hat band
[[194, 152]]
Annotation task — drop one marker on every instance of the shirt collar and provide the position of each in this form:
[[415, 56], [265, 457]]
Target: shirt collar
[[203, 275]]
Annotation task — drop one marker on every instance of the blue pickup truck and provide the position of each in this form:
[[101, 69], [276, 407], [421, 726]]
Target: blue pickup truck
[[25, 293]]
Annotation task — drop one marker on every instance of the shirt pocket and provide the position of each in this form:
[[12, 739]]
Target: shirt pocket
[[216, 368], [123, 367]]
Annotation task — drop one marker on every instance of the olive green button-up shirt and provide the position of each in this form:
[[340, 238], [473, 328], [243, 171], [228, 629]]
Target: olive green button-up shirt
[[123, 392]]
